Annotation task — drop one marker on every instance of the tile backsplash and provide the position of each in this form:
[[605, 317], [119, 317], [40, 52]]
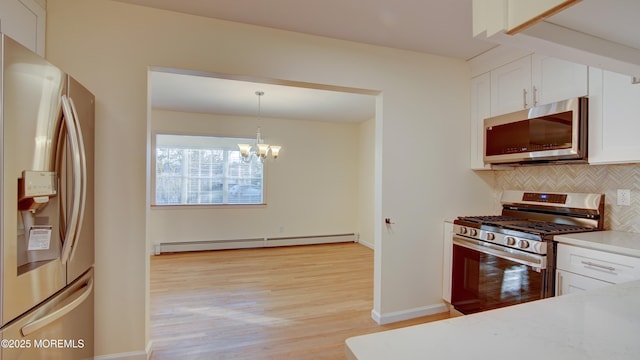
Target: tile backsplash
[[603, 179]]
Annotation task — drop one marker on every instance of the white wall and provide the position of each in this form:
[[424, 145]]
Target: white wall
[[421, 149], [366, 191], [310, 190]]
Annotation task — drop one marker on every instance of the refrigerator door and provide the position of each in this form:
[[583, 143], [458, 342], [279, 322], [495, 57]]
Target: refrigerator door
[[82, 104], [31, 269], [61, 328]]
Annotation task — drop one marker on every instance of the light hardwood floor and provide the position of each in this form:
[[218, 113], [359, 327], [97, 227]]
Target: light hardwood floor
[[297, 302]]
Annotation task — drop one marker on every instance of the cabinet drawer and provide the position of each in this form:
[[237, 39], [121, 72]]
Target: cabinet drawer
[[600, 265]]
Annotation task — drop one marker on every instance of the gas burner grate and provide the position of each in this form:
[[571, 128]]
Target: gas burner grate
[[548, 228], [488, 219]]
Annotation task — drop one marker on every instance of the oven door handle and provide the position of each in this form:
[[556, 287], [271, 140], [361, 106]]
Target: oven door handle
[[536, 262]]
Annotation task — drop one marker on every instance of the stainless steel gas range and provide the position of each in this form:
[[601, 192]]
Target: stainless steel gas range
[[507, 259]]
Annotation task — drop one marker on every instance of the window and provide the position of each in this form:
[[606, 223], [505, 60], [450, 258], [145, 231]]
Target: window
[[205, 170]]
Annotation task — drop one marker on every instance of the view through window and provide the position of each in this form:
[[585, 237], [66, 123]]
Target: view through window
[[205, 170]]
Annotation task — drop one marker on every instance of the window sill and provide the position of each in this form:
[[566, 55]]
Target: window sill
[[206, 206]]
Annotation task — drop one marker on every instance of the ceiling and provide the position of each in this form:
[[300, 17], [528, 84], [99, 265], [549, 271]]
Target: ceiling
[[390, 23], [202, 93], [440, 27], [402, 24]]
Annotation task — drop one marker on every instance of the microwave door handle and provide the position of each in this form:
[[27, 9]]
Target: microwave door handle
[[499, 253], [83, 177], [72, 222]]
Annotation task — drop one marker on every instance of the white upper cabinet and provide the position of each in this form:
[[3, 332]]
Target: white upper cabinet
[[24, 21], [511, 87], [614, 118], [555, 79], [480, 110], [535, 80]]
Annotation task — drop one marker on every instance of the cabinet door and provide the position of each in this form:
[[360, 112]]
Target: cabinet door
[[568, 282], [614, 110], [24, 21], [555, 79], [511, 87], [480, 110]]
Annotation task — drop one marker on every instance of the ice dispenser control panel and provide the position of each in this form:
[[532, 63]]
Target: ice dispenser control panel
[[38, 183], [35, 188]]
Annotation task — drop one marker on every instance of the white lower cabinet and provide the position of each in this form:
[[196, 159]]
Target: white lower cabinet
[[568, 282], [581, 269]]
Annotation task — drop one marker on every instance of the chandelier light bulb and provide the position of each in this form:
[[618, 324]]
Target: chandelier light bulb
[[261, 150]]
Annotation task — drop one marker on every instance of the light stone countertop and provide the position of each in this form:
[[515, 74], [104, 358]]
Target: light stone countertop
[[611, 241], [598, 324]]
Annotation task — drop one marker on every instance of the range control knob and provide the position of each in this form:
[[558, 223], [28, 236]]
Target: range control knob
[[473, 232], [463, 230], [523, 244], [510, 240], [491, 236]]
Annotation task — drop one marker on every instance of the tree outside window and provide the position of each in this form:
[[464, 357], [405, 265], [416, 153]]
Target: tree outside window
[[205, 170]]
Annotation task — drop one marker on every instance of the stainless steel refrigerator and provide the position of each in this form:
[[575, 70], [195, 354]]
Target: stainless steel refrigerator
[[46, 211]]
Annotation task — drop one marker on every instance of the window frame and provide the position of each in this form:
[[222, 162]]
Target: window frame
[[153, 173]]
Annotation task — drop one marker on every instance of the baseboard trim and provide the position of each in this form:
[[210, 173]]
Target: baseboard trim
[[206, 245], [396, 316], [367, 244], [149, 349], [133, 355]]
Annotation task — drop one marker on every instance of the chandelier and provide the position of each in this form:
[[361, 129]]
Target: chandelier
[[260, 150]]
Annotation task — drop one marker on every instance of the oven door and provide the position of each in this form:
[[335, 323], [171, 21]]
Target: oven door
[[488, 276]]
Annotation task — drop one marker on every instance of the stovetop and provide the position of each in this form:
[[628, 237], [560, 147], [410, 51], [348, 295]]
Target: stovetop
[[530, 220], [541, 228], [516, 233]]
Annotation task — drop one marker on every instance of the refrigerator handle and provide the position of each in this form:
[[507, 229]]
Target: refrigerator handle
[[72, 223], [73, 301], [83, 178]]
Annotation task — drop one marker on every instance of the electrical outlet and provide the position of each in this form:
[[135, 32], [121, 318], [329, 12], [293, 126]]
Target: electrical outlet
[[624, 197]]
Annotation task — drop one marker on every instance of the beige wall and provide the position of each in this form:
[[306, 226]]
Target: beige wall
[[421, 151], [310, 190]]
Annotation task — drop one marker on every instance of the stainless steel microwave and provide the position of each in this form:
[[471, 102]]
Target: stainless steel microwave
[[554, 132]]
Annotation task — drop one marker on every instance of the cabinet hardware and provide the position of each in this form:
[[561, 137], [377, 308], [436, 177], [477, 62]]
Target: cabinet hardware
[[524, 98], [559, 283], [589, 263]]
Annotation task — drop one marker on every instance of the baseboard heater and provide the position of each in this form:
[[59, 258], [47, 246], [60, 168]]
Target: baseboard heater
[[171, 247]]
